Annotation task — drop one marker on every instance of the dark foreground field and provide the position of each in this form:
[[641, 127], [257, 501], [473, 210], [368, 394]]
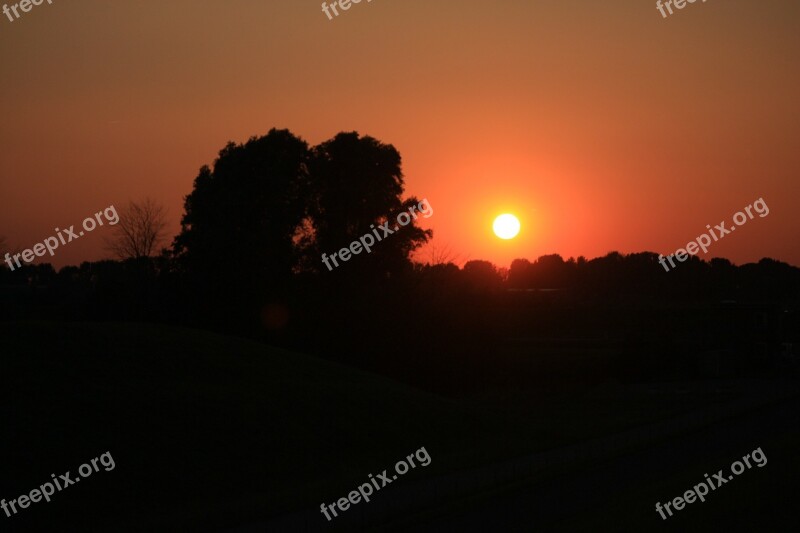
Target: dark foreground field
[[214, 433]]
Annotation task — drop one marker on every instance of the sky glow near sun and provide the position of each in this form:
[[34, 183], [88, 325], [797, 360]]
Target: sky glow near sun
[[563, 126]]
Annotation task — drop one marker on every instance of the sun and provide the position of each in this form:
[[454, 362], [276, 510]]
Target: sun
[[506, 226]]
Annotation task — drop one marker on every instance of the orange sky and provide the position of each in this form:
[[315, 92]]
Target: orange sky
[[600, 124]]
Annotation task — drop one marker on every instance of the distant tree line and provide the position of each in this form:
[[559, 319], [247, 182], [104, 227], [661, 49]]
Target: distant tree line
[[247, 261]]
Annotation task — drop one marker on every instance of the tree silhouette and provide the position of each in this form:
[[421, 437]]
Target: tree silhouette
[[255, 224], [440, 255], [140, 230], [238, 231], [519, 274], [482, 276], [357, 183]]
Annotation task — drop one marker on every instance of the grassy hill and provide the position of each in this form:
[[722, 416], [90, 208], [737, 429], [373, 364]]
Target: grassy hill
[[210, 432], [206, 431]]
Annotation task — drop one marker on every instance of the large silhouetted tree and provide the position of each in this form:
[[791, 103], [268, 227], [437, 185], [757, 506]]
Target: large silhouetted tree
[[357, 183], [238, 231], [269, 207]]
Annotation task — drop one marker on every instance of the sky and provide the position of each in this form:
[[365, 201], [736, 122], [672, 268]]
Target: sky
[[602, 125]]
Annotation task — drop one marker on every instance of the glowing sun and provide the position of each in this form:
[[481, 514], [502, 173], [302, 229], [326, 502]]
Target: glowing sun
[[506, 226]]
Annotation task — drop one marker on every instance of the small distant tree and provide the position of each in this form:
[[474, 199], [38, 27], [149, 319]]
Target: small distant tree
[[140, 230], [482, 275], [519, 275]]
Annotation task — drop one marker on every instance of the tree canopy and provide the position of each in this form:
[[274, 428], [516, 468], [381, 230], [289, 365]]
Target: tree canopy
[[269, 207]]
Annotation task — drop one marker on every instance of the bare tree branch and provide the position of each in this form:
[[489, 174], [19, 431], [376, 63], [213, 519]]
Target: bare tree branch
[[140, 230], [441, 255]]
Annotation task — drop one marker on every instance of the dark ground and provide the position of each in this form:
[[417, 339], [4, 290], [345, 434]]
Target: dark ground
[[212, 433]]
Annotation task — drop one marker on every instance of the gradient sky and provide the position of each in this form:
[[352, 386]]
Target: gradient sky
[[600, 124]]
